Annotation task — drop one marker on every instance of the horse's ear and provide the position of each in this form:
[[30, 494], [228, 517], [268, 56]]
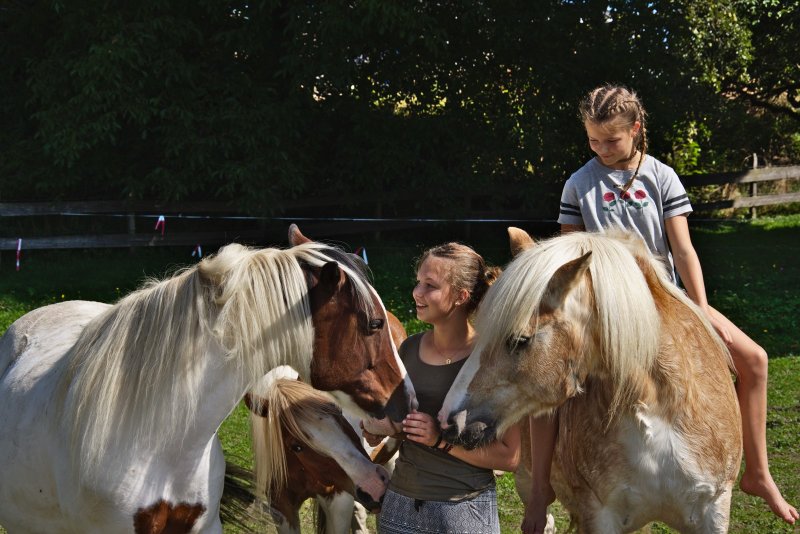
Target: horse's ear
[[564, 280], [296, 237], [258, 405], [330, 275], [519, 240]]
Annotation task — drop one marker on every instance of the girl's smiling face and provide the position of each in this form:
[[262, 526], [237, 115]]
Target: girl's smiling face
[[613, 144], [434, 296]]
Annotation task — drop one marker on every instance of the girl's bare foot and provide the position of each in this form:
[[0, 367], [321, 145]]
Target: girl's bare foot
[[766, 488]]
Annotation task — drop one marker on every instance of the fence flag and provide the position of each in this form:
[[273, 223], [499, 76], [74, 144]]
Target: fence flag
[[161, 222], [19, 251], [363, 253], [198, 251]]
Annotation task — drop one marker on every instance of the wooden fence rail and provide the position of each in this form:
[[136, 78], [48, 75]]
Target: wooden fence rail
[[262, 235], [752, 177]]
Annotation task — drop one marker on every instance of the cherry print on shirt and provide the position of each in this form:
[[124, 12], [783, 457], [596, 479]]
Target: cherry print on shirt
[[637, 200]]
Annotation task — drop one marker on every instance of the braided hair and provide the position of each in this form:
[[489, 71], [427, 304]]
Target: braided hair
[[615, 103]]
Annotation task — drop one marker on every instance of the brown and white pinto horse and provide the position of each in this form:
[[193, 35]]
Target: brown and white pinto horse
[[592, 325], [321, 468], [108, 413], [305, 447]]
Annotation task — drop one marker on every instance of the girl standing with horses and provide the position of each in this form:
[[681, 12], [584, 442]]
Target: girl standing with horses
[[436, 486], [622, 186]]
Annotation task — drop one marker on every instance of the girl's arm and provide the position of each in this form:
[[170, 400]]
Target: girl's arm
[[502, 453], [567, 228], [687, 263]]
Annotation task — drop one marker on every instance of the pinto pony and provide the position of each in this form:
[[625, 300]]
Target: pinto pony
[[592, 325], [108, 413], [305, 447]]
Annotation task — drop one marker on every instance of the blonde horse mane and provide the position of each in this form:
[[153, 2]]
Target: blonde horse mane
[[132, 381], [293, 405], [624, 313]]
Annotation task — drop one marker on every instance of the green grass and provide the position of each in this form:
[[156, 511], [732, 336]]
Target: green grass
[[752, 272]]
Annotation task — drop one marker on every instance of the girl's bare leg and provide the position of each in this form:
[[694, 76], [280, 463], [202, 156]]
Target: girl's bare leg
[[751, 389]]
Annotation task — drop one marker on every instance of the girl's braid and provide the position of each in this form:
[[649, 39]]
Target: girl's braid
[[616, 103]]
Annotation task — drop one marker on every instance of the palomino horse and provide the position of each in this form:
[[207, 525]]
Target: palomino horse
[[592, 325], [108, 413], [329, 468]]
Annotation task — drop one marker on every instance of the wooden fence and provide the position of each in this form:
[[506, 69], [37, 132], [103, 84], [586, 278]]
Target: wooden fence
[[263, 231], [752, 177]]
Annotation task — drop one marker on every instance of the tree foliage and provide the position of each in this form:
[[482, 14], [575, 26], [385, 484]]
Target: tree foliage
[[256, 103]]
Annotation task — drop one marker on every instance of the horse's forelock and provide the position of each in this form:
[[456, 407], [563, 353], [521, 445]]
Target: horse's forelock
[[624, 307], [294, 406], [318, 254], [512, 302]]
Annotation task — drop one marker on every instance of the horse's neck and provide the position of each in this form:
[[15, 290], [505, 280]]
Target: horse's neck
[[222, 386]]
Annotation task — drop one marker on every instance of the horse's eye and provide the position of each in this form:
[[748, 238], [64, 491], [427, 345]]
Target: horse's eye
[[296, 447], [376, 324], [518, 342]]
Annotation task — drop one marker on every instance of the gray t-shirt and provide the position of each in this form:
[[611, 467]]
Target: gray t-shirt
[[591, 198]]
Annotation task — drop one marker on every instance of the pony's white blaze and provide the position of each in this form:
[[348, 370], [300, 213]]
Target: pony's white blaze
[[456, 396], [370, 477]]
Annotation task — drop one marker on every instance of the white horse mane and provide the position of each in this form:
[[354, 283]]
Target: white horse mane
[[132, 381], [623, 305]]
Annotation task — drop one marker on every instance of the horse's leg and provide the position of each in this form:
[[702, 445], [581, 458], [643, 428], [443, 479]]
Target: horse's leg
[[713, 518], [214, 526], [338, 512], [359, 524]]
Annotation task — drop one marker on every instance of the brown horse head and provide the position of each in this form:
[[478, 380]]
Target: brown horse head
[[301, 433], [354, 355]]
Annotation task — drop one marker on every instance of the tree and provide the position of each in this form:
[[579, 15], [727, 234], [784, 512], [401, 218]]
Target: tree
[[258, 103]]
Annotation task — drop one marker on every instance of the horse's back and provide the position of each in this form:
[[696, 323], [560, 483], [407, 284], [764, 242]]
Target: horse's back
[[44, 333], [29, 350]]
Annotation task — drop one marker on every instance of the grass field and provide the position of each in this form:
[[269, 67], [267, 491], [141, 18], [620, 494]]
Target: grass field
[[752, 273]]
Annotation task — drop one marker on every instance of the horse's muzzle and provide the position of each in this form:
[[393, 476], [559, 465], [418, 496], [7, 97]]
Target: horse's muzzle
[[472, 435], [367, 501], [400, 403]]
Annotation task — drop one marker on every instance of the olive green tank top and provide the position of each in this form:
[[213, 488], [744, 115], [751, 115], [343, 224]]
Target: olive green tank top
[[421, 472]]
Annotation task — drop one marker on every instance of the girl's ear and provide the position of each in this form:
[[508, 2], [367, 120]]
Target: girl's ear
[[636, 128], [463, 296]]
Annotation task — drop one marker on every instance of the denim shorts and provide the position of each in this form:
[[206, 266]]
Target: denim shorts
[[404, 515]]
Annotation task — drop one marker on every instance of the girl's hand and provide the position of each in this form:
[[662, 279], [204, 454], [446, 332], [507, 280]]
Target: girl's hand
[[536, 519], [719, 326], [421, 428]]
